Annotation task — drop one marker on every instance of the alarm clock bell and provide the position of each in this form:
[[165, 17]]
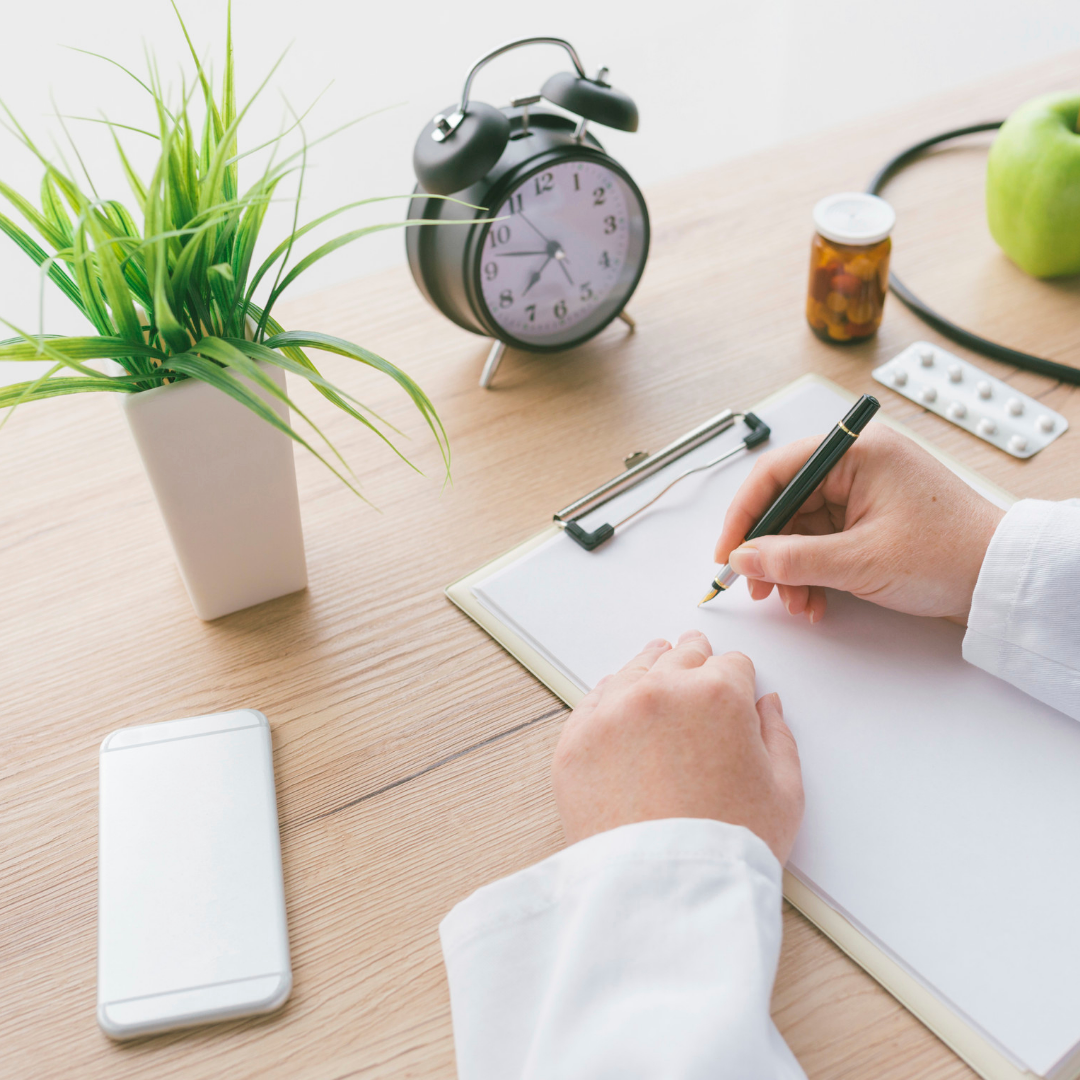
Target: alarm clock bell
[[555, 232]]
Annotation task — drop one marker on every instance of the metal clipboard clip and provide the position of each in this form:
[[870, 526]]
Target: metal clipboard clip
[[640, 467]]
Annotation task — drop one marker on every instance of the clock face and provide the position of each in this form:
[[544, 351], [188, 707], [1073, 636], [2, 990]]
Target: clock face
[[566, 255]]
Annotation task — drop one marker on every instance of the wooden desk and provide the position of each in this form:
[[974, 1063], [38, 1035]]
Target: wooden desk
[[412, 753]]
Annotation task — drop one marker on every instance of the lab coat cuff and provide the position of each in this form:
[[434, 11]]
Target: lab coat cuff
[[531, 891], [1023, 626], [1005, 573]]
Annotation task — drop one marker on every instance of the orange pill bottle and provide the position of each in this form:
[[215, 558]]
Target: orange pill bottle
[[849, 266]]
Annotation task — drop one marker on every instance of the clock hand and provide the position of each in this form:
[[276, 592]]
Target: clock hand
[[536, 275], [561, 257], [500, 254], [533, 227]]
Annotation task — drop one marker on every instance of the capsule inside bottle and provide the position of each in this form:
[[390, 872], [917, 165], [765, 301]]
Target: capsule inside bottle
[[849, 267]]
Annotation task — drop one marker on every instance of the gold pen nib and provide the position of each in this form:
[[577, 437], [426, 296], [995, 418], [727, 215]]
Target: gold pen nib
[[708, 596]]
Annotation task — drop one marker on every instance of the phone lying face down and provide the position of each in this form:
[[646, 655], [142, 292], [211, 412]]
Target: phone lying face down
[[191, 902]]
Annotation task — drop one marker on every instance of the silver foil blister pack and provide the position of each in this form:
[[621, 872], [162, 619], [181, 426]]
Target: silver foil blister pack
[[972, 399]]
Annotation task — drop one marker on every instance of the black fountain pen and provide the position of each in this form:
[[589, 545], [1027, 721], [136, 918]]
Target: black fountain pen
[[804, 482]]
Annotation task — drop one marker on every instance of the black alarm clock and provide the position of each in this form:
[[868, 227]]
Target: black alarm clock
[[546, 236]]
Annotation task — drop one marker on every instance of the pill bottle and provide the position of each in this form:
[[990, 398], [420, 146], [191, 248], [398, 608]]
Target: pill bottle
[[849, 266]]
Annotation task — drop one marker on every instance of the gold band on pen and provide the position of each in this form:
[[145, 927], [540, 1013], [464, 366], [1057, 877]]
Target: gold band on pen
[[853, 434]]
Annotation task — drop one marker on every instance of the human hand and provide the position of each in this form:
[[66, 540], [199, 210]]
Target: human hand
[[677, 734], [890, 524]]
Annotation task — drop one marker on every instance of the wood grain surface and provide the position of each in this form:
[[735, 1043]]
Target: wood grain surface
[[411, 753]]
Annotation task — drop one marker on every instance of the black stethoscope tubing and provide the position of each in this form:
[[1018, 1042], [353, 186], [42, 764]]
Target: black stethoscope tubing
[[944, 326]]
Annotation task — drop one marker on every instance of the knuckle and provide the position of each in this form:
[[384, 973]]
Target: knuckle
[[740, 659], [645, 696], [780, 562], [735, 673], [661, 694], [718, 677], [720, 693], [763, 464]]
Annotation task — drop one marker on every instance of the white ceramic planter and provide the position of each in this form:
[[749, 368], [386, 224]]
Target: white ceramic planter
[[226, 485]]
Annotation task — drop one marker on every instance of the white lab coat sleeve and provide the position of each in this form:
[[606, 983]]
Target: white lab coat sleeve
[[645, 952], [1024, 624]]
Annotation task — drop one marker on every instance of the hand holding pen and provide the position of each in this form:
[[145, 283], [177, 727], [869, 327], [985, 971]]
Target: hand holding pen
[[890, 524], [803, 484]]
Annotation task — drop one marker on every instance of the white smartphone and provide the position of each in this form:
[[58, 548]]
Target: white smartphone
[[191, 902]]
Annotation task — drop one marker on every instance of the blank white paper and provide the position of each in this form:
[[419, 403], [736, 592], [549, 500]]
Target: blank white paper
[[942, 804]]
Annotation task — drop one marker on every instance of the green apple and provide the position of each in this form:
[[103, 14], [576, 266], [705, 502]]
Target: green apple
[[1033, 186]]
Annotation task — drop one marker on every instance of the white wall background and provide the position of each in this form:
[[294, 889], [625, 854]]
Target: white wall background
[[713, 79]]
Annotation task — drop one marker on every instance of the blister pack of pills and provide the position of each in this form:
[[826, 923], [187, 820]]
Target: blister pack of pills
[[959, 391]]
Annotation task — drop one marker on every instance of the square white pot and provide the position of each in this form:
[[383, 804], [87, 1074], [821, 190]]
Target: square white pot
[[226, 486]]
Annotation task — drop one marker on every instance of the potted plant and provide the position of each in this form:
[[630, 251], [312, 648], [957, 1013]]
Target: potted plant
[[199, 364]]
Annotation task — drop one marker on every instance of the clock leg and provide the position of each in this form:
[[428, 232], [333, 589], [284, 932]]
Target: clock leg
[[491, 365], [628, 320]]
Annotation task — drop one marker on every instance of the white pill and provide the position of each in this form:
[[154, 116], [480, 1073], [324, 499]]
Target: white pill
[[983, 388], [928, 394], [987, 426], [958, 410], [926, 356], [1045, 423], [956, 372], [1015, 406], [899, 377], [1018, 444]]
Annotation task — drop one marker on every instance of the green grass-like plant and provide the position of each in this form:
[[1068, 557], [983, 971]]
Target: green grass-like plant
[[173, 300]]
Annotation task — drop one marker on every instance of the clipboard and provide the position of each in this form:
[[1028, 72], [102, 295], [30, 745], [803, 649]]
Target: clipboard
[[969, 1042], [459, 592]]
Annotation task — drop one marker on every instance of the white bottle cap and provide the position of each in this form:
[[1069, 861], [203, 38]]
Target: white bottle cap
[[854, 218]]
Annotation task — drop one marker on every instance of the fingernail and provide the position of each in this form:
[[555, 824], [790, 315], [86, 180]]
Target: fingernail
[[690, 634], [656, 643], [779, 704], [746, 560]]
